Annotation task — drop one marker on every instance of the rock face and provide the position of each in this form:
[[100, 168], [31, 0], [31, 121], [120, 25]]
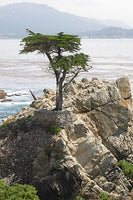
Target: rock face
[[56, 118], [2, 94], [81, 160]]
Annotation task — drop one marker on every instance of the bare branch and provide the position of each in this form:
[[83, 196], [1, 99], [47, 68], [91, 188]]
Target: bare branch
[[75, 75], [49, 57], [34, 97]]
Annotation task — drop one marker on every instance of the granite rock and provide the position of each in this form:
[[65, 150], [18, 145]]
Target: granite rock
[[81, 159]]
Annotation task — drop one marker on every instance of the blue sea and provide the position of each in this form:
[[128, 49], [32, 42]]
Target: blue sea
[[110, 59]]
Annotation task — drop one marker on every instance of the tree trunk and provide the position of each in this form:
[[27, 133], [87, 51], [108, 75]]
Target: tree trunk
[[59, 95]]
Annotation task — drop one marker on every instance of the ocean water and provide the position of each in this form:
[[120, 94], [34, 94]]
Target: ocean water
[[110, 59]]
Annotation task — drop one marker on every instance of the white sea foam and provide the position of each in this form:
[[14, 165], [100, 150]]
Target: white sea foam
[[9, 103]]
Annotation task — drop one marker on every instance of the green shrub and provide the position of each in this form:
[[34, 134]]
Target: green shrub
[[79, 198], [17, 192], [104, 196], [127, 168], [7, 122], [54, 130]]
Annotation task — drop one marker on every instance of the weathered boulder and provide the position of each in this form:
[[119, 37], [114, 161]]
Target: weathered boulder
[[2, 94], [124, 87], [47, 101], [109, 108]]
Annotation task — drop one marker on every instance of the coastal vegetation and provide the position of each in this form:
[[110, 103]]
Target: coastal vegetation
[[104, 196], [127, 168], [63, 52], [79, 198], [54, 130], [27, 192], [6, 122], [17, 192]]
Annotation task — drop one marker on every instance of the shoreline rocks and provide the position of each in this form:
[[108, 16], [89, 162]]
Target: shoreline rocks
[[2, 94], [81, 159]]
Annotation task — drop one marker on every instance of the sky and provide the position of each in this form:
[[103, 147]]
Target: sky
[[99, 9]]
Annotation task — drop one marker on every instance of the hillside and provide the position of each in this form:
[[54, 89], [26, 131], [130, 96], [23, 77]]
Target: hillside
[[110, 32], [15, 18]]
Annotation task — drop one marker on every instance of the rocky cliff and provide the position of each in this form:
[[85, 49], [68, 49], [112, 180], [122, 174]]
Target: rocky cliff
[[96, 131]]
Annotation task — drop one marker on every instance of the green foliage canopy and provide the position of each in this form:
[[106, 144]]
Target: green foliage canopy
[[50, 43], [54, 46], [17, 192], [63, 53]]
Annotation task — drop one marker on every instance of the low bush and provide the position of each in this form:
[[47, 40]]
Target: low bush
[[7, 122], [54, 130], [79, 198], [104, 196], [127, 168], [17, 192]]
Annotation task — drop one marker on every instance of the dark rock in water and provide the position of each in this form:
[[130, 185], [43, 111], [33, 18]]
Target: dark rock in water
[[2, 94], [17, 95], [6, 100], [81, 159]]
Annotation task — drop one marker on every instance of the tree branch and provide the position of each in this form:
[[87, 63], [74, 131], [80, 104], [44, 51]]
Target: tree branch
[[49, 57], [75, 75], [63, 76]]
